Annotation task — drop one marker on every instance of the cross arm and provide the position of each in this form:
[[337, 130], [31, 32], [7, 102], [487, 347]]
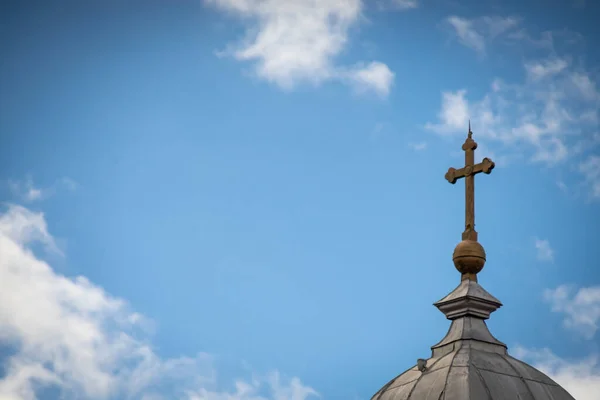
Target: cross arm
[[486, 166]]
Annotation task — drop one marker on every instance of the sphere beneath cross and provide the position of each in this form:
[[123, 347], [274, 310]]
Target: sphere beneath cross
[[469, 257]]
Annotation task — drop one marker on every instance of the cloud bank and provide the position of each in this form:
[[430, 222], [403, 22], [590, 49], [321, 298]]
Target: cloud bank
[[580, 307], [69, 335]]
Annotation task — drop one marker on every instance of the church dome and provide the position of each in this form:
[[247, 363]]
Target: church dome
[[469, 363]]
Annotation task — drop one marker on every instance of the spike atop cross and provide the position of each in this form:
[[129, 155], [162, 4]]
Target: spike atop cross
[[468, 172]]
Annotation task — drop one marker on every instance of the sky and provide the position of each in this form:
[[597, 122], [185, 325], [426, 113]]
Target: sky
[[245, 199]]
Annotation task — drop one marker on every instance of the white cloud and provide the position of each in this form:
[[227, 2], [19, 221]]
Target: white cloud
[[476, 33], [497, 26], [467, 35], [590, 168], [513, 115], [294, 42], [550, 118], [544, 41], [544, 251], [405, 4], [26, 191], [454, 114], [585, 85], [581, 307], [23, 226], [69, 334], [581, 378], [552, 151], [375, 76], [545, 68], [396, 5], [562, 186]]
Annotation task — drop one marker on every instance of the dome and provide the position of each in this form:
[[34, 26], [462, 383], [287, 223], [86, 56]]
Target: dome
[[469, 363]]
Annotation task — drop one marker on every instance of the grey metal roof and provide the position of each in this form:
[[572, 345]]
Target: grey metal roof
[[469, 363]]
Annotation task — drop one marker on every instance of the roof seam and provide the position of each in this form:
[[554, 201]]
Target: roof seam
[[422, 374], [485, 386], [517, 376], [443, 394], [520, 376], [387, 385], [409, 382], [412, 380]]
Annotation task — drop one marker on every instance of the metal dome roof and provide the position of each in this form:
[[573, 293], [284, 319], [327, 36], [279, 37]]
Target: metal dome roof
[[469, 363], [471, 373]]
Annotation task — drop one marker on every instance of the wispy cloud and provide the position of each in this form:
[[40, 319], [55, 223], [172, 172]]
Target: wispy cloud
[[562, 186], [26, 191], [544, 250], [538, 119], [545, 68], [70, 335], [585, 85], [551, 117], [580, 377], [580, 306], [290, 43], [375, 77], [454, 114], [466, 34], [477, 33], [68, 183], [420, 146], [590, 168], [405, 4], [395, 5]]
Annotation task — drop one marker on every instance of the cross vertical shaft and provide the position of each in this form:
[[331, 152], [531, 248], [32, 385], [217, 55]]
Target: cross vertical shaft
[[468, 172], [470, 233]]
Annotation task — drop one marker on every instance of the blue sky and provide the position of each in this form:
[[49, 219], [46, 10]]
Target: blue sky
[[245, 200]]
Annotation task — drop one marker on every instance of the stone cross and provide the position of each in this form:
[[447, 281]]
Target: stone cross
[[468, 172]]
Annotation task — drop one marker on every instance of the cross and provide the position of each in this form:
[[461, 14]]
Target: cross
[[468, 172]]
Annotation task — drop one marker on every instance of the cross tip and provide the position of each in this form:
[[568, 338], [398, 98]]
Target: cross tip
[[470, 133]]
